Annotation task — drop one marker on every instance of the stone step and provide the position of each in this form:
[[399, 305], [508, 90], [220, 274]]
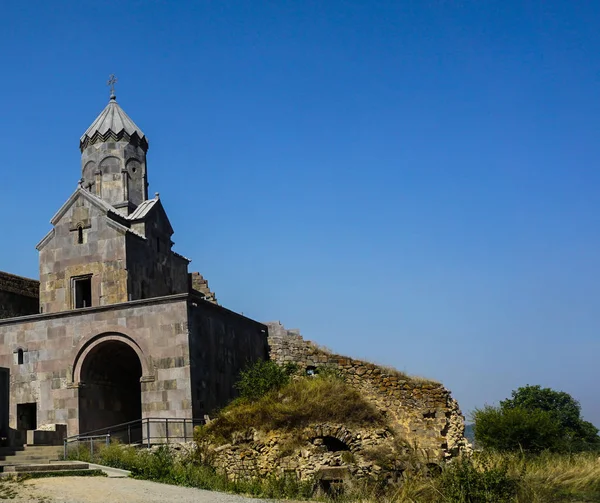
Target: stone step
[[28, 452], [9, 451], [24, 461], [47, 467], [49, 455]]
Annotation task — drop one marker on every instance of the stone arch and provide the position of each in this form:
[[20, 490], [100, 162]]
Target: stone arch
[[89, 170], [109, 371], [86, 345], [111, 165], [335, 438]]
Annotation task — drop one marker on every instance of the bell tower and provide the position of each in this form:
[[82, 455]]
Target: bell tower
[[113, 158]]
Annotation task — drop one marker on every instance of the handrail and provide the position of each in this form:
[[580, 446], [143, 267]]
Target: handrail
[[113, 427], [141, 436]]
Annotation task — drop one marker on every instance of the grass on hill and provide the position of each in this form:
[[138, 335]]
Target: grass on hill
[[300, 403]]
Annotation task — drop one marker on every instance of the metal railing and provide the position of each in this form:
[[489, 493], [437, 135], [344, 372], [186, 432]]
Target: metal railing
[[142, 432]]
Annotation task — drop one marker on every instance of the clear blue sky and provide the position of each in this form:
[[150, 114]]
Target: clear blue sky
[[415, 183]]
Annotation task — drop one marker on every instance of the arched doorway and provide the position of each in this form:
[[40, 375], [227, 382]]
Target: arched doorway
[[111, 391]]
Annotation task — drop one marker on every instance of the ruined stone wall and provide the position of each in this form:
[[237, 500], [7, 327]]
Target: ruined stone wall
[[420, 411], [200, 284], [18, 296], [358, 453]]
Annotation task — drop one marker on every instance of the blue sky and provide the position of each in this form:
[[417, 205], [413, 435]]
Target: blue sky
[[414, 183]]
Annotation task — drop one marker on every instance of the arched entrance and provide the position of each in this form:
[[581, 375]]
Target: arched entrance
[[111, 391]]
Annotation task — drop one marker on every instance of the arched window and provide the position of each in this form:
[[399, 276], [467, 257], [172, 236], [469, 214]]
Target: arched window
[[20, 356], [80, 235]]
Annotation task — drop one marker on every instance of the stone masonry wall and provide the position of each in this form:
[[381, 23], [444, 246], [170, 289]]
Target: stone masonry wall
[[101, 255], [18, 296], [222, 343], [422, 412], [55, 347]]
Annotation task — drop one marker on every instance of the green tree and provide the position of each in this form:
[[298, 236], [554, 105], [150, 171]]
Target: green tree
[[535, 419], [561, 406]]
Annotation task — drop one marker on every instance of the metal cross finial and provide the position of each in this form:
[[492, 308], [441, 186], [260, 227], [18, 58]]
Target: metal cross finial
[[112, 80]]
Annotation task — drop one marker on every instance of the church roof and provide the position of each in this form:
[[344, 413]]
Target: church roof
[[143, 209], [113, 124]]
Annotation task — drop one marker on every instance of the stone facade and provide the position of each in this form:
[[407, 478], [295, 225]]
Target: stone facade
[[170, 338], [420, 411], [125, 258], [18, 296]]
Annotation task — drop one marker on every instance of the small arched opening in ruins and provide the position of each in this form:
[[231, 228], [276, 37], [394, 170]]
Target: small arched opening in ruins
[[110, 391], [333, 444]]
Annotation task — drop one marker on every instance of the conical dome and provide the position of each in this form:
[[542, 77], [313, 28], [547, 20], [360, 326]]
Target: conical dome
[[113, 124]]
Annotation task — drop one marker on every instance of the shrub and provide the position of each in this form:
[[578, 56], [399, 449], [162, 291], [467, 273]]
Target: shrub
[[261, 377], [516, 429]]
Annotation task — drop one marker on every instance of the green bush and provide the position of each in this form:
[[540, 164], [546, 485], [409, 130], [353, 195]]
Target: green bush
[[261, 377], [516, 429]]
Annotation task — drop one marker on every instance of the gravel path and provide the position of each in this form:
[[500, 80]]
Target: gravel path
[[109, 490]]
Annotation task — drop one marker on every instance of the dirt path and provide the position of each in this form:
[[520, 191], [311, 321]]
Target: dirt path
[[110, 490]]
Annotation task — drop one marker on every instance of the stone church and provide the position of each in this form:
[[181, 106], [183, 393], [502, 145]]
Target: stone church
[[121, 330]]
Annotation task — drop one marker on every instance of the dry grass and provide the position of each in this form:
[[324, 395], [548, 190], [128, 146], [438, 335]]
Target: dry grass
[[566, 477], [300, 403], [547, 478]]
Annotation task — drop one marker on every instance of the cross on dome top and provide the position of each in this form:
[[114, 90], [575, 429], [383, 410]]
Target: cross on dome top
[[112, 80]]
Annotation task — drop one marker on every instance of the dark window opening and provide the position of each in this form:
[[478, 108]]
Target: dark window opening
[[20, 357], [26, 416], [83, 292], [157, 244], [79, 235], [143, 291]]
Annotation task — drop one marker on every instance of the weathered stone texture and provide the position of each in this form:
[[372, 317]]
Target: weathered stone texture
[[200, 284], [420, 411], [18, 296], [222, 343], [101, 255], [369, 453], [153, 269], [54, 351], [190, 352]]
